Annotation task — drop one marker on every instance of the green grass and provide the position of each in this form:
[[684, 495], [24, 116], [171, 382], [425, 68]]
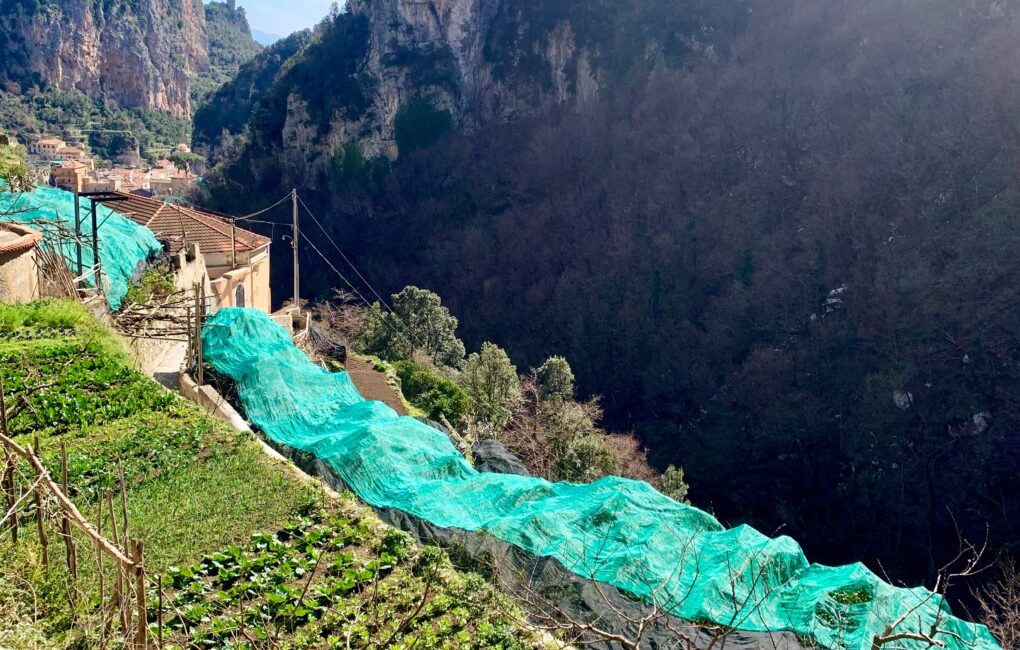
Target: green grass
[[43, 315], [221, 500], [208, 501]]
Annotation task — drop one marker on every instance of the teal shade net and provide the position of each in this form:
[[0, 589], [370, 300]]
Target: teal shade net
[[123, 244], [615, 530]]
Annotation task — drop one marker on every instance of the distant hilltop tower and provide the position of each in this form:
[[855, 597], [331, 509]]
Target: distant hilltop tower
[[232, 4]]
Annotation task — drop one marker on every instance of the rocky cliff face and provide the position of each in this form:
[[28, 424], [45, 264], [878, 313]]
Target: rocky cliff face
[[480, 61], [444, 49], [139, 53]]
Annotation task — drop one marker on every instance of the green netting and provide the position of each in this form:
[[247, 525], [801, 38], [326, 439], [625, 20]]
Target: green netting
[[615, 530], [123, 244]]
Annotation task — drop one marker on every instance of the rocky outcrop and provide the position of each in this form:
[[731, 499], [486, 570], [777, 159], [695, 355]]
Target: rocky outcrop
[[441, 49], [482, 61], [138, 53]]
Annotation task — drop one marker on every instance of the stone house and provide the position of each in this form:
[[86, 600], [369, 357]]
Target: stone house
[[69, 176], [48, 147], [234, 260], [19, 272]]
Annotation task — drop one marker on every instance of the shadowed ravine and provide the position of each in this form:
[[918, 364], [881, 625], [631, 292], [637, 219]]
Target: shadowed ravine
[[615, 530]]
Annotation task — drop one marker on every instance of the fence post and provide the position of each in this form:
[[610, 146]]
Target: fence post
[[126, 592], [65, 523], [141, 632], [159, 612], [40, 514], [9, 466], [199, 320]]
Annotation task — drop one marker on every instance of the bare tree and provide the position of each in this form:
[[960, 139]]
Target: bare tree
[[634, 623], [912, 626], [999, 605]]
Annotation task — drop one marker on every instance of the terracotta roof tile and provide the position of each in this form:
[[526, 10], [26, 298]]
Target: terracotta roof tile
[[180, 225]]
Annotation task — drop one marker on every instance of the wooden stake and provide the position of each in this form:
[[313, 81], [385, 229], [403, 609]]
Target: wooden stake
[[12, 500], [159, 611], [126, 545], [196, 334], [40, 516], [99, 554], [191, 336], [199, 319], [120, 589], [142, 630], [10, 466], [123, 506], [66, 504], [65, 523]]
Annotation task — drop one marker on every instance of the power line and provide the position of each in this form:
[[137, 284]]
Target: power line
[[346, 259], [410, 335], [355, 290], [263, 211]]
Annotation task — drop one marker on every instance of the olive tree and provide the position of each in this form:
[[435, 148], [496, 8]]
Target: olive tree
[[555, 379], [417, 322], [492, 382]]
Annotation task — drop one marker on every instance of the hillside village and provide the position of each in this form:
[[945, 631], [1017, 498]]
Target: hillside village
[[130, 372], [167, 319], [71, 168], [513, 324]]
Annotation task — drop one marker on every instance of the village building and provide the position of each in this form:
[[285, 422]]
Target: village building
[[69, 176], [165, 180], [233, 261], [75, 154], [48, 147], [19, 271]]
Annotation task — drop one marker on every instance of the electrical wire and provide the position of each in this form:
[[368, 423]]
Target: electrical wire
[[409, 333], [354, 289], [345, 258]]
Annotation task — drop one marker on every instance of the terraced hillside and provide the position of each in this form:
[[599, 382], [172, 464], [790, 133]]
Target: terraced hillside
[[249, 554]]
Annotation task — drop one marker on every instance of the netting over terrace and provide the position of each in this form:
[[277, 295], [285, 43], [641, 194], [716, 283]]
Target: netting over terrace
[[123, 244], [615, 530]]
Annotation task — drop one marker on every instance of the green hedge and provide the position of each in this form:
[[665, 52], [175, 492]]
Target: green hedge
[[437, 396]]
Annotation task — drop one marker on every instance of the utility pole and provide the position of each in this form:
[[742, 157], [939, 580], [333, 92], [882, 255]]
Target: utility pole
[[297, 236], [95, 250], [77, 232]]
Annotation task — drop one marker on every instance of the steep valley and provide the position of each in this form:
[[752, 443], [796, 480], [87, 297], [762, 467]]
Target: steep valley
[[776, 238]]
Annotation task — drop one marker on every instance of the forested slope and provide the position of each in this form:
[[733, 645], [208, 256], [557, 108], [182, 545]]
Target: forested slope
[[786, 259]]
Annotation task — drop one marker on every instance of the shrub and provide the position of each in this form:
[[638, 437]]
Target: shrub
[[588, 458], [673, 484], [555, 379], [491, 381], [418, 322], [156, 281], [437, 396]]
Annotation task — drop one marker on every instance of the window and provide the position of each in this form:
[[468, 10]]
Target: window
[[239, 295]]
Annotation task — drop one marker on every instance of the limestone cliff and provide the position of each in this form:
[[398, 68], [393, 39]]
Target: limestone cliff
[[469, 63], [139, 53], [444, 49]]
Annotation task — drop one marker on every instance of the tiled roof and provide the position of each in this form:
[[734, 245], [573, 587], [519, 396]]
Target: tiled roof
[[181, 226], [71, 164]]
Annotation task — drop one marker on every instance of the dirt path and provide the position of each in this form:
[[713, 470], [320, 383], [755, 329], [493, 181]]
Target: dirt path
[[372, 384]]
